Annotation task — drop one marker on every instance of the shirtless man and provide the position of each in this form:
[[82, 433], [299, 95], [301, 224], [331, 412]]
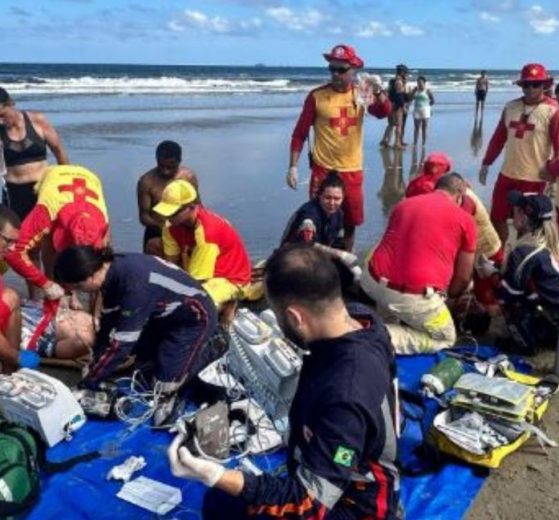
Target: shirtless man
[[482, 86], [150, 187]]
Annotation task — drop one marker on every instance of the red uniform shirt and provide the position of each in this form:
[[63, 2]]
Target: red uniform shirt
[[213, 249], [420, 245], [337, 121]]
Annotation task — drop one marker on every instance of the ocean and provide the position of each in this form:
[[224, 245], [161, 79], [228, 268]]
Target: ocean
[[234, 124]]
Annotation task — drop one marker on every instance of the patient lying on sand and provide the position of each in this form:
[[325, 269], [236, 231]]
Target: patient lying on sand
[[69, 334]]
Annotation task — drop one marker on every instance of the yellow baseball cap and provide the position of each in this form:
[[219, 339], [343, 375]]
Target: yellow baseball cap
[[175, 195]]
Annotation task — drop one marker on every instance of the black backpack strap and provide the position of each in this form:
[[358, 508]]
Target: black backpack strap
[[65, 465]]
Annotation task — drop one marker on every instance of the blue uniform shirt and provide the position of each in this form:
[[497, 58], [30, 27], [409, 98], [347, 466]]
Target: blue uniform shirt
[[342, 449], [138, 289], [531, 274], [311, 224]]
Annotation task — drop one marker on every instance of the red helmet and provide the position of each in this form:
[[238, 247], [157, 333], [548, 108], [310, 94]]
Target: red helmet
[[534, 72], [344, 53]]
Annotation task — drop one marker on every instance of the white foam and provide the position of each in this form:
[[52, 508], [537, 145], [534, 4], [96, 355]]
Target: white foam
[[452, 82], [164, 85]]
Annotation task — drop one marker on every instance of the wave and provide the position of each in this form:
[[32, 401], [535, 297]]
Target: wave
[[95, 85], [164, 85]]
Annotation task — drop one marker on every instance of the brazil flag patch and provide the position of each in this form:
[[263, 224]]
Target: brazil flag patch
[[344, 456]]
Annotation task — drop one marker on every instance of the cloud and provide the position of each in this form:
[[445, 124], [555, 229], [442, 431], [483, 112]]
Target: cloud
[[545, 25], [213, 24], [373, 29], [304, 21], [540, 22], [488, 17], [410, 30]]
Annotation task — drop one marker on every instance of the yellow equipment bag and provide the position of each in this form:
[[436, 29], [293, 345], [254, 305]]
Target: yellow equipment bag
[[504, 404]]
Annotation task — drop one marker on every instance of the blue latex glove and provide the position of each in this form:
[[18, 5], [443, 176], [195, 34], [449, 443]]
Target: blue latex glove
[[29, 359]]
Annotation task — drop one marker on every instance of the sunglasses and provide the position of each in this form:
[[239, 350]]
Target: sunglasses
[[338, 70], [532, 84]]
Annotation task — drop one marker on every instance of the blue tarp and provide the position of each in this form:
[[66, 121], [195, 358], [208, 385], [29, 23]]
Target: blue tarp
[[84, 492]]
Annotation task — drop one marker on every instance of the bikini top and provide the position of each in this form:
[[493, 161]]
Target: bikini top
[[32, 148]]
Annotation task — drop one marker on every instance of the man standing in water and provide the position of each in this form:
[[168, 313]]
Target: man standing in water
[[482, 86], [528, 131], [168, 155], [337, 120]]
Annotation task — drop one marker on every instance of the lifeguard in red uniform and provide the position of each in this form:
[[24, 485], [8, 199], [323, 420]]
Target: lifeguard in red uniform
[[70, 210], [204, 244], [528, 131], [335, 116]]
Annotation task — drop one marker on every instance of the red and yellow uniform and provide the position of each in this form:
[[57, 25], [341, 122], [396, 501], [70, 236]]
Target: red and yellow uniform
[[213, 252], [70, 209], [529, 134], [337, 121]]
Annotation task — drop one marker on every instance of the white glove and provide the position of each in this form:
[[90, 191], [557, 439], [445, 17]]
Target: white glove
[[53, 291], [348, 258], [483, 171], [185, 465], [485, 267], [292, 177], [352, 263]]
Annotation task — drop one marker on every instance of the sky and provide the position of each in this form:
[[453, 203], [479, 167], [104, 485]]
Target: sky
[[489, 34]]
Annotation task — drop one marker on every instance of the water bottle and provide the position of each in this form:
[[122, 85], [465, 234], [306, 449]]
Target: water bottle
[[442, 376]]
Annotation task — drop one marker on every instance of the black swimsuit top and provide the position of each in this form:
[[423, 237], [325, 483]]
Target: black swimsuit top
[[32, 148]]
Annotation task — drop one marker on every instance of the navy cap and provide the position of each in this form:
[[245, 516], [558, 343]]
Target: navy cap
[[537, 207]]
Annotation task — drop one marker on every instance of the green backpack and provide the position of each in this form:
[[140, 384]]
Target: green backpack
[[19, 470]]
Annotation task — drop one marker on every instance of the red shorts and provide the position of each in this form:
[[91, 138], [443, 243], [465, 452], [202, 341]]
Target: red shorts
[[5, 313], [501, 210], [353, 198]]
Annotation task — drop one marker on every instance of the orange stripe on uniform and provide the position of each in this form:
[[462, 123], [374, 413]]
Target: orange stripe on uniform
[[289, 508]]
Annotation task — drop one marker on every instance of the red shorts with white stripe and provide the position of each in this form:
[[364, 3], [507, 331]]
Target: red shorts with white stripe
[[353, 197], [501, 210]]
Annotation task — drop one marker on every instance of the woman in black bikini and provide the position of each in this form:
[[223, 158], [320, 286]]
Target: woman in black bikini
[[25, 137]]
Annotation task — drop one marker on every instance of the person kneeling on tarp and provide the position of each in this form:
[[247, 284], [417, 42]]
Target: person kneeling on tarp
[[204, 244], [489, 249], [70, 210], [151, 309], [342, 447], [426, 253], [529, 291]]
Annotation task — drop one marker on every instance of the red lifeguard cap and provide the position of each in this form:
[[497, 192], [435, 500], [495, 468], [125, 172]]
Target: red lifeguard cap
[[344, 53], [534, 72]]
